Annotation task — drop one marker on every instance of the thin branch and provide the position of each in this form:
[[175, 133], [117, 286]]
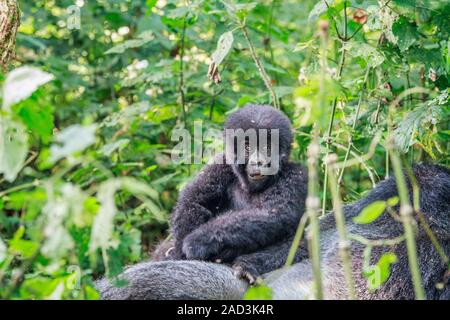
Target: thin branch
[[260, 67], [344, 243], [355, 119], [181, 81], [333, 111], [297, 238]]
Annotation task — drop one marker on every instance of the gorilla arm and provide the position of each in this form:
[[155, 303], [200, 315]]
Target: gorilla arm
[[199, 201], [252, 265], [243, 231]]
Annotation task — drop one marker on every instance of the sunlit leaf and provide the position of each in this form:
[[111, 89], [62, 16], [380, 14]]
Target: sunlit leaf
[[259, 292], [319, 9], [405, 33], [13, 148], [371, 212], [21, 83], [224, 45], [378, 274], [24, 248], [72, 139], [392, 202]]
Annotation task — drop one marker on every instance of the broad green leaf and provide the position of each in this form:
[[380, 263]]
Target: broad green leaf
[[405, 32], [102, 229], [419, 120], [319, 9], [371, 212], [392, 202], [142, 39], [21, 83], [312, 106], [13, 148], [24, 248], [63, 205], [378, 274], [238, 10], [42, 288], [224, 45], [72, 139], [37, 116], [369, 54], [90, 293], [260, 292]]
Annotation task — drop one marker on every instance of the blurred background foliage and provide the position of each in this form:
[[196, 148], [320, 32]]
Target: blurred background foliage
[[98, 86]]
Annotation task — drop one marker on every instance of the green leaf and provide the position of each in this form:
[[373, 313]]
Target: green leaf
[[371, 212], [319, 9], [224, 46], [371, 55], [260, 292], [392, 202], [405, 32], [38, 117], [142, 39], [238, 10], [24, 248], [91, 293], [72, 139], [312, 106], [13, 148], [42, 288], [377, 275], [21, 83]]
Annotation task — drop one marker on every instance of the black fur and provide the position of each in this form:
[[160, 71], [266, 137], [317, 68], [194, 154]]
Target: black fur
[[434, 184], [223, 214], [181, 280]]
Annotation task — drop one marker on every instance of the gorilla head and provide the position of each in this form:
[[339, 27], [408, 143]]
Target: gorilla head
[[258, 143]]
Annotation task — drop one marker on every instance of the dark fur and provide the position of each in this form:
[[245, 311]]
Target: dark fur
[[222, 214], [213, 281]]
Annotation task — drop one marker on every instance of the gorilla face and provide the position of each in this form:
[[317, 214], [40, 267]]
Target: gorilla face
[[258, 141]]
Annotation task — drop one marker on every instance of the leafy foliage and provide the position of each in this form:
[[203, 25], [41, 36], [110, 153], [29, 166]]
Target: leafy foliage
[[86, 178]]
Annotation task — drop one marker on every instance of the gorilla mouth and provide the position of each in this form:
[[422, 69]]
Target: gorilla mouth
[[256, 176]]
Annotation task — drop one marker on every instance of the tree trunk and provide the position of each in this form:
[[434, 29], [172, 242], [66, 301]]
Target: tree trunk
[[9, 23]]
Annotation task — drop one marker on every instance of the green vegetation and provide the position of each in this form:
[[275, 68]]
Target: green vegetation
[[94, 89]]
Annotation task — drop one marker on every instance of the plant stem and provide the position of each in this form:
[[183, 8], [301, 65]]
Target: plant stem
[[265, 77], [355, 119], [407, 220], [312, 209], [344, 243], [297, 238], [35, 183], [330, 128], [181, 85]]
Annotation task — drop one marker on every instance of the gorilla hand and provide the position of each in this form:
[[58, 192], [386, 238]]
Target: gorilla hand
[[201, 245], [246, 271]]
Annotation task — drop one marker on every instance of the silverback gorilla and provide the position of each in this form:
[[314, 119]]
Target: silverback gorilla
[[237, 215]]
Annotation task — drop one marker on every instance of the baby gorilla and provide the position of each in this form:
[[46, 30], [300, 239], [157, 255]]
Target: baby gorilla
[[252, 197]]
